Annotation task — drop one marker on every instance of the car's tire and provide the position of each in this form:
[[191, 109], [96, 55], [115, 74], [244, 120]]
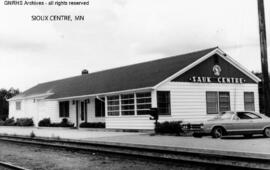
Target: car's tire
[[197, 135], [247, 135], [217, 132], [266, 132]]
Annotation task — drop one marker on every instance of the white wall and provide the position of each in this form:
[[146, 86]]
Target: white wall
[[41, 109], [37, 110], [48, 109], [92, 114], [188, 102]]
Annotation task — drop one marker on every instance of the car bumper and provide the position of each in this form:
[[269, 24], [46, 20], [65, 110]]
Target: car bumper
[[198, 129]]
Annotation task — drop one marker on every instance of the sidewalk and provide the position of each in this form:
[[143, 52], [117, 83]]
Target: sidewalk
[[256, 145]]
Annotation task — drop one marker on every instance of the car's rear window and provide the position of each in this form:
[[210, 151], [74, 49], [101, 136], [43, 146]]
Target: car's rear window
[[247, 115]]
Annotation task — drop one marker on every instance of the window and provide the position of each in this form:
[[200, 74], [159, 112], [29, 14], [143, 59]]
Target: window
[[224, 101], [212, 102], [18, 105], [127, 104], [163, 102], [113, 105], [249, 101], [64, 109], [217, 102], [247, 115], [100, 107], [143, 102]]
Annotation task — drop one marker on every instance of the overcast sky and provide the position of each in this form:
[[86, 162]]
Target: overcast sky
[[122, 32]]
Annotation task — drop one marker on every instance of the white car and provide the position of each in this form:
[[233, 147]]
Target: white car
[[244, 123]]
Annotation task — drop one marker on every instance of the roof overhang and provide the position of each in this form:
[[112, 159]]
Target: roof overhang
[[36, 96], [104, 94]]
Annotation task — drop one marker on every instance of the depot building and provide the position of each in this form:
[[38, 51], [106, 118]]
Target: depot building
[[193, 86]]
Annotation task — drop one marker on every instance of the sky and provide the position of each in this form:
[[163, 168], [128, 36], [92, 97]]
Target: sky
[[122, 32]]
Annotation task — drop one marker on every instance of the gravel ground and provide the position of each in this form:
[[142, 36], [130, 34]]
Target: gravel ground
[[39, 157]]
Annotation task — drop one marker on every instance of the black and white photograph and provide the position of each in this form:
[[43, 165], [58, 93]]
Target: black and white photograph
[[134, 84]]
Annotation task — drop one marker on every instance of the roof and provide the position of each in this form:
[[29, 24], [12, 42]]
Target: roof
[[142, 75]]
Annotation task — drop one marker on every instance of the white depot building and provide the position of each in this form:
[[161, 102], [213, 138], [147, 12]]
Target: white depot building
[[191, 86]]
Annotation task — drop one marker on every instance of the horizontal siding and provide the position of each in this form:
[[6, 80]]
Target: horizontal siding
[[129, 123], [188, 103], [190, 98], [49, 109]]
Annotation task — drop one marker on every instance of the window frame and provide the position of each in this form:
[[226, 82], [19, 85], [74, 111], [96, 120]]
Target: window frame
[[18, 105], [140, 104], [100, 107], [247, 102], [168, 113], [64, 105], [123, 99], [109, 106], [218, 101]]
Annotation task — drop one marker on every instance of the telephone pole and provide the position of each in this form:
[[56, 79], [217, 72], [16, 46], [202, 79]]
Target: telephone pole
[[264, 62]]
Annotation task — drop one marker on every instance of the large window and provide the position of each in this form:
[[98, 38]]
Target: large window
[[217, 102], [100, 107], [130, 104], [18, 105], [163, 102], [113, 105], [143, 102], [127, 104], [249, 101], [64, 109]]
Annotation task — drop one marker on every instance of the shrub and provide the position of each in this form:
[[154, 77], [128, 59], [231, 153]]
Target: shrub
[[46, 122], [172, 127], [63, 123], [92, 125], [2, 123], [10, 122], [24, 122]]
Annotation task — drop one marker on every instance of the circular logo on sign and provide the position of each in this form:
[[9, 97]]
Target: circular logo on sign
[[216, 70]]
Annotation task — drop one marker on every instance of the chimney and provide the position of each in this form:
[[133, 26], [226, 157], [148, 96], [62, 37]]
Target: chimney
[[84, 72]]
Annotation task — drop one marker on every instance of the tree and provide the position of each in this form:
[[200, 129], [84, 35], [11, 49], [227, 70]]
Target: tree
[[4, 96]]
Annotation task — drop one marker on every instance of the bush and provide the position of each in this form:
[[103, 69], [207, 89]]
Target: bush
[[10, 122], [18, 122], [24, 122], [92, 125], [172, 127], [63, 123], [2, 123], [46, 122]]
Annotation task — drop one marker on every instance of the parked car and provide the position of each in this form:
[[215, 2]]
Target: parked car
[[244, 123]]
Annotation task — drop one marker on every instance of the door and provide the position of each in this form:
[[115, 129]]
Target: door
[[83, 111], [245, 123]]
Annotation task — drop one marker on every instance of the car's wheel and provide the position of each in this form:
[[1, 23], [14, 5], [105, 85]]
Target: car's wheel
[[266, 132], [217, 132], [248, 135]]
